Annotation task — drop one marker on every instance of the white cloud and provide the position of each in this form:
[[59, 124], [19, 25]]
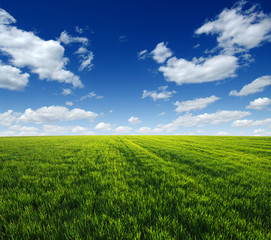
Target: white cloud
[[12, 78], [162, 114], [91, 95], [259, 103], [144, 130], [86, 61], [66, 91], [67, 39], [103, 126], [45, 58], [134, 120], [68, 103], [196, 104], [161, 53], [239, 29], [199, 70], [7, 133], [55, 114], [56, 129], [222, 133], [8, 118], [251, 123], [79, 30], [162, 93], [81, 50], [257, 85], [142, 54], [122, 130], [189, 120], [261, 132], [24, 130], [79, 129]]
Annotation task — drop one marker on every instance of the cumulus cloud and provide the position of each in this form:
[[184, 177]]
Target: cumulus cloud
[[49, 129], [259, 103], [196, 104], [91, 95], [54, 114], [261, 132], [103, 126], [12, 78], [134, 120], [24, 130], [239, 29], [25, 49], [161, 53], [189, 120], [142, 54], [257, 85], [162, 93], [8, 118], [122, 130], [199, 70], [67, 39], [251, 123]]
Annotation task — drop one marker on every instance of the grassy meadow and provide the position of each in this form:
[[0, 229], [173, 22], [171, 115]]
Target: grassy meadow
[[135, 187]]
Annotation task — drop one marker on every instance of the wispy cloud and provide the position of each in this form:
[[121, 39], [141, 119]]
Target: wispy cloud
[[162, 93], [256, 86]]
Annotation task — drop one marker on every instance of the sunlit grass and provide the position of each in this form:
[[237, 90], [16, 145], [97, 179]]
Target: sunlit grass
[[135, 187]]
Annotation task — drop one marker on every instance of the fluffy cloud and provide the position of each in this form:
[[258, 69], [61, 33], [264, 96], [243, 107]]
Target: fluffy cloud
[[222, 133], [144, 130], [257, 85], [196, 104], [134, 120], [8, 118], [251, 123], [24, 130], [12, 78], [239, 29], [189, 120], [91, 95], [162, 93], [122, 130], [55, 114], [199, 70], [161, 53], [259, 103], [261, 132], [67, 39], [103, 126], [56, 129], [45, 58]]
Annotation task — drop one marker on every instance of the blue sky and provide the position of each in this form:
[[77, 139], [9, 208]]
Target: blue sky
[[135, 67]]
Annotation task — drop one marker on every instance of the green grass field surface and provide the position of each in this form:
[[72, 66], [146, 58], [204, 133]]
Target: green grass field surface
[[135, 187]]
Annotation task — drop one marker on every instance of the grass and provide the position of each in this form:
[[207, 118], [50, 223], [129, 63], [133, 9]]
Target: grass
[[135, 187]]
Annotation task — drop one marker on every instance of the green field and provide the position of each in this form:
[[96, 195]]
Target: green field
[[135, 187]]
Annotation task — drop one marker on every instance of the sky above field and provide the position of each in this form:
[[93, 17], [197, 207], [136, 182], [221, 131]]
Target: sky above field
[[135, 67]]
